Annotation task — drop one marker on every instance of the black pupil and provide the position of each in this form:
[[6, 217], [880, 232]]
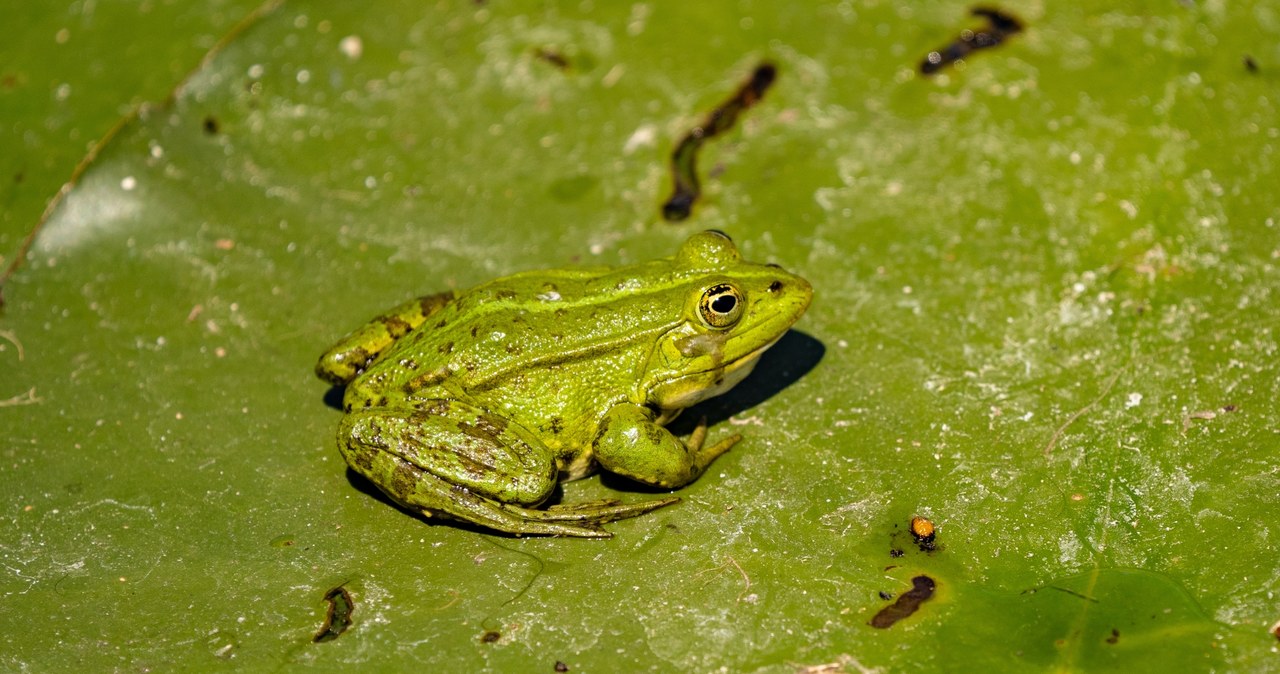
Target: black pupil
[[724, 304]]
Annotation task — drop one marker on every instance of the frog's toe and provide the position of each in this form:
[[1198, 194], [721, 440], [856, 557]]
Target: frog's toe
[[601, 511], [583, 505]]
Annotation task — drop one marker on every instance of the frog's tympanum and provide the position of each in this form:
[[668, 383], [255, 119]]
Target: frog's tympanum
[[476, 404]]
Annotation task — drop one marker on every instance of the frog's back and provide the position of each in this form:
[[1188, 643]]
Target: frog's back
[[553, 328]]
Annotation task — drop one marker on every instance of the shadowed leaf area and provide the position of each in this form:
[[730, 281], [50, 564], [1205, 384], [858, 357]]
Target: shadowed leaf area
[[1045, 320]]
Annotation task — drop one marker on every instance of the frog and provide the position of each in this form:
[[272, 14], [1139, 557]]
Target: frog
[[475, 405]]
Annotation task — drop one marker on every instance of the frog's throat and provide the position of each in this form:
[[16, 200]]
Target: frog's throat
[[729, 375]]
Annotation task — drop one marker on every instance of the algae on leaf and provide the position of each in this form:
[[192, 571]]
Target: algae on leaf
[[1045, 319]]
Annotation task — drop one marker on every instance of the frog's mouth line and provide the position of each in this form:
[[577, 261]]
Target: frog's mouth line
[[731, 372]]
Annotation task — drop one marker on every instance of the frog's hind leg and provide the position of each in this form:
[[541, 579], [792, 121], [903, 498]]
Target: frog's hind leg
[[579, 520], [434, 497], [450, 458], [353, 353]]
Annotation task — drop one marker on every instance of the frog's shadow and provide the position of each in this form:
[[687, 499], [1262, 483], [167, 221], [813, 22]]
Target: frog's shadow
[[795, 354]]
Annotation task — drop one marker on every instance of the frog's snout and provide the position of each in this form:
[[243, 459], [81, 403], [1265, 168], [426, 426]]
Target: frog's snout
[[791, 288]]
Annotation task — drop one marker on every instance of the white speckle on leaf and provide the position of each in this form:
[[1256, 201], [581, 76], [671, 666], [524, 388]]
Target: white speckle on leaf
[[639, 17], [644, 136], [611, 78], [352, 46], [1068, 548], [1133, 400]]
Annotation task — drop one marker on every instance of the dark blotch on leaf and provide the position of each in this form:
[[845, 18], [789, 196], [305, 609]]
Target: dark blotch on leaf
[[1000, 25], [907, 604], [1115, 636], [211, 125], [685, 185], [553, 57], [561, 667], [337, 617], [490, 636]]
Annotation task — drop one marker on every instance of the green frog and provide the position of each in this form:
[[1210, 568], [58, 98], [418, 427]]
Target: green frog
[[476, 404]]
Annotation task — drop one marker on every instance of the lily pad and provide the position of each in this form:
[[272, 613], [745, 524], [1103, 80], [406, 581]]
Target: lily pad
[[1045, 320]]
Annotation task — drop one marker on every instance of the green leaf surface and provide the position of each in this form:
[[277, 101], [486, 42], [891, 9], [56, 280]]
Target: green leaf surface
[[1045, 318]]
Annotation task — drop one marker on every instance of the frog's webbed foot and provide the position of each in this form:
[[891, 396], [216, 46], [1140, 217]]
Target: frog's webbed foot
[[599, 512], [582, 520]]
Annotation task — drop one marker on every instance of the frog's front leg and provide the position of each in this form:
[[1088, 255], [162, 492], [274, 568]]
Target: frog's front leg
[[446, 457], [632, 444]]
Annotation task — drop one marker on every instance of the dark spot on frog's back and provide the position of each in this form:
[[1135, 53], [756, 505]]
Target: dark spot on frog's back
[[396, 326], [426, 380], [505, 295], [557, 425], [432, 303]]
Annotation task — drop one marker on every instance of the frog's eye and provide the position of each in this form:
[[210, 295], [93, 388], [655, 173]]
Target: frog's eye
[[721, 306]]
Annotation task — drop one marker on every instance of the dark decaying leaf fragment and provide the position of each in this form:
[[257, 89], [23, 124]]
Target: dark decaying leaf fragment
[[686, 188], [1000, 25]]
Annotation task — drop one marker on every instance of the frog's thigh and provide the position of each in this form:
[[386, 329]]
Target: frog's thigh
[[422, 455], [630, 443], [346, 359]]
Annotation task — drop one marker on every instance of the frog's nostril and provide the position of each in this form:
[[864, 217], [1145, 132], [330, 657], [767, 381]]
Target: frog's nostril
[[775, 286]]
